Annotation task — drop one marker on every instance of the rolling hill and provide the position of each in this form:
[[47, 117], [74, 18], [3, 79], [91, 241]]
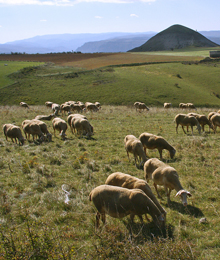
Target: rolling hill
[[175, 37]]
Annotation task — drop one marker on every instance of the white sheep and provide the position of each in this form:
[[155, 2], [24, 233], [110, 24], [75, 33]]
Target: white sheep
[[150, 141], [119, 202], [164, 175], [71, 118], [140, 106], [91, 107], [48, 104], [185, 120], [65, 108], [77, 108], [55, 108], [23, 104], [13, 132], [183, 105], [130, 182], [59, 125], [133, 145], [43, 128], [167, 105], [191, 105], [98, 105]]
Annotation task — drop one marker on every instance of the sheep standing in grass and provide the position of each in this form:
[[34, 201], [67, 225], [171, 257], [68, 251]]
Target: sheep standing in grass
[[167, 105], [191, 105], [56, 108], [48, 104], [150, 141], [77, 108], [185, 120], [82, 126], [32, 128], [71, 118], [45, 117], [59, 125], [91, 107], [23, 104], [203, 120], [130, 182], [133, 145], [215, 120], [65, 108], [119, 202], [44, 129], [13, 132], [164, 175], [182, 105], [140, 106]]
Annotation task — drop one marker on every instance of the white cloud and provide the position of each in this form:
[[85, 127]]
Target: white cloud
[[133, 15], [98, 17], [43, 20], [68, 2]]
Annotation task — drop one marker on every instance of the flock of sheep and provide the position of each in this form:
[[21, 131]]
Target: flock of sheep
[[122, 194]]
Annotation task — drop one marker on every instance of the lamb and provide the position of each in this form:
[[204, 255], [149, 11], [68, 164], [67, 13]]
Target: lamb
[[32, 128], [13, 132], [215, 120], [23, 104], [119, 202], [203, 120], [150, 141], [130, 182], [167, 105], [45, 117], [185, 120], [133, 145], [60, 125], [82, 126], [141, 106], [165, 175]]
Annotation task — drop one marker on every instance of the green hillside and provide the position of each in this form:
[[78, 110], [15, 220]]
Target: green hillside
[[153, 84]]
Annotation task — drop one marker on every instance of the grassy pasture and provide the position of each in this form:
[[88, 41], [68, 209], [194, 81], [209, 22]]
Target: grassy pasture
[[153, 84], [35, 222]]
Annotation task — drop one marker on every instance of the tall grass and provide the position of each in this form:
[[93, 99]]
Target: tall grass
[[36, 223]]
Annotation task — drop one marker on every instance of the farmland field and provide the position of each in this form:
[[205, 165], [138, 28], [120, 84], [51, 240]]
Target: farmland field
[[35, 220]]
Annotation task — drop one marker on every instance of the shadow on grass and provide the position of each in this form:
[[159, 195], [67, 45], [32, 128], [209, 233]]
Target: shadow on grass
[[189, 210]]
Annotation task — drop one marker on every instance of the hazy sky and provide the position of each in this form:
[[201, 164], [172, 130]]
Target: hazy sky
[[21, 19]]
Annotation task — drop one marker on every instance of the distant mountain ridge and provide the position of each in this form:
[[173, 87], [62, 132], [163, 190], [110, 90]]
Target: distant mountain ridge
[[86, 43], [175, 37]]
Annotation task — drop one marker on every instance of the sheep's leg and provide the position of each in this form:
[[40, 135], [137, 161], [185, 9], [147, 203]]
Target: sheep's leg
[[168, 195], [103, 218], [98, 215], [177, 128], [128, 155], [160, 152], [192, 129], [155, 185], [183, 129]]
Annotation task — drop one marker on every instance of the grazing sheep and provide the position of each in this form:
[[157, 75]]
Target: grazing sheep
[[91, 107], [141, 106], [167, 105], [119, 202], [203, 120], [211, 114], [59, 125], [45, 117], [56, 108], [43, 128], [82, 126], [32, 128], [164, 175], [81, 104], [77, 108], [23, 104], [98, 105], [74, 117], [65, 108], [182, 105], [185, 120], [150, 141], [133, 145], [191, 105], [130, 182], [48, 104], [13, 132], [215, 120]]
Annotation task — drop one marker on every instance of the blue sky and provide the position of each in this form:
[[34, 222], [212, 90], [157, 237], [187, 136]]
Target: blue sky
[[22, 19]]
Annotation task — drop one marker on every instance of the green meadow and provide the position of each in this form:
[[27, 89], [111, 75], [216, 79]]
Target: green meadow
[[37, 223]]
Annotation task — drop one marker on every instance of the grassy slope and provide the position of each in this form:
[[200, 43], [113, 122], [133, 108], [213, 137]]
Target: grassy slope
[[153, 84], [32, 205]]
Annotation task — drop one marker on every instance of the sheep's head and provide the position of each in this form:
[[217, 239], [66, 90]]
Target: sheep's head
[[199, 128], [183, 194], [172, 153]]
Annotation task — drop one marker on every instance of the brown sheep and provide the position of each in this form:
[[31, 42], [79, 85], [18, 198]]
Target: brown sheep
[[140, 106], [82, 126], [164, 175], [130, 182], [150, 141], [203, 120], [13, 132], [23, 104], [119, 202], [185, 120], [59, 125], [133, 145], [215, 120], [167, 105]]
